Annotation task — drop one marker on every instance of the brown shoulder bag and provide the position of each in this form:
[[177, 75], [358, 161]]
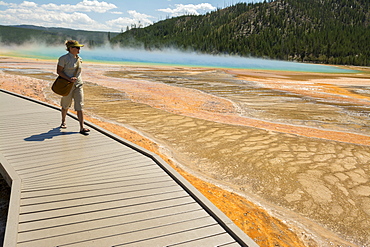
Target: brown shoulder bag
[[62, 86]]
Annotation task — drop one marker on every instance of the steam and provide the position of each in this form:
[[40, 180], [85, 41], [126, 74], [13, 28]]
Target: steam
[[168, 57]]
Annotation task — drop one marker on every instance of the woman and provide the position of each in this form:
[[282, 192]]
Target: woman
[[69, 67]]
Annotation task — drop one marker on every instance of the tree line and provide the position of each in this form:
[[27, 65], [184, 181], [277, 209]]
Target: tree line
[[319, 31]]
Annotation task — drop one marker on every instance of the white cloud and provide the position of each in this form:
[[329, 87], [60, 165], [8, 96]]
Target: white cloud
[[27, 4], [47, 18], [120, 22], [181, 9], [86, 14], [135, 18], [140, 17], [84, 6], [64, 15]]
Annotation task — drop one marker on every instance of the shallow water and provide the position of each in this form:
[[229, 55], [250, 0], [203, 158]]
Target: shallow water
[[171, 57], [255, 101]]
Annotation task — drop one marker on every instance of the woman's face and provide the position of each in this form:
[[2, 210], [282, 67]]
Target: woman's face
[[74, 50]]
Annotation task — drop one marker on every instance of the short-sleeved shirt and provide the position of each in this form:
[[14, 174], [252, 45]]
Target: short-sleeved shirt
[[69, 64]]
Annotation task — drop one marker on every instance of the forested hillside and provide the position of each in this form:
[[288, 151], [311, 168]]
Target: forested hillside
[[321, 31], [51, 36]]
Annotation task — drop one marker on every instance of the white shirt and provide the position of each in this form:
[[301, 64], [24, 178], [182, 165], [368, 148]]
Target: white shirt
[[69, 64]]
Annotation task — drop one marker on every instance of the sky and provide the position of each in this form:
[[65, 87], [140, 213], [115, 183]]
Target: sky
[[108, 15]]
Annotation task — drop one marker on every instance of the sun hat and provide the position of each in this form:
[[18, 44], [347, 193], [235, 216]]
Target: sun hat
[[73, 43]]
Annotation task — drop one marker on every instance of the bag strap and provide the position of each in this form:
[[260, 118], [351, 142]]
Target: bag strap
[[78, 66]]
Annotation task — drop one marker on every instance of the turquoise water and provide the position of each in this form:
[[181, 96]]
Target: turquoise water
[[177, 58]]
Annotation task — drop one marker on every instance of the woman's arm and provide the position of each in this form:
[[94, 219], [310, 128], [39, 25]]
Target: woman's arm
[[63, 75]]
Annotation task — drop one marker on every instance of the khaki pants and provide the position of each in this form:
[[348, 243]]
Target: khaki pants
[[77, 94]]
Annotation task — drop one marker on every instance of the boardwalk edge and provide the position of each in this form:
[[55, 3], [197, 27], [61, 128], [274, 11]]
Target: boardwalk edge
[[15, 182]]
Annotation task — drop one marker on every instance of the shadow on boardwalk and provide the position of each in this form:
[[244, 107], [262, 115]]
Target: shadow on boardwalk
[[48, 135]]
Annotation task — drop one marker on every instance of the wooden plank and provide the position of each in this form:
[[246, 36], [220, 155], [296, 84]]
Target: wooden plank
[[58, 160], [34, 214], [136, 231], [93, 191], [35, 109], [99, 157], [214, 236], [91, 217], [128, 164], [126, 168], [108, 175], [153, 217], [16, 147], [85, 182], [67, 145], [125, 183], [69, 153], [84, 179], [73, 200], [66, 142], [34, 118], [211, 239], [115, 158]]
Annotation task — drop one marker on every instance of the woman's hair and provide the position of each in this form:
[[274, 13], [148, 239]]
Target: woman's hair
[[69, 43]]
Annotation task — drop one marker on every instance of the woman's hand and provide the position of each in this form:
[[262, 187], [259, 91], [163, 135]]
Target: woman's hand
[[73, 79]]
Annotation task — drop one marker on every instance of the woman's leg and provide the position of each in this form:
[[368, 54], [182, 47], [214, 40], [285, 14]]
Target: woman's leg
[[79, 103], [64, 115], [80, 117], [65, 103]]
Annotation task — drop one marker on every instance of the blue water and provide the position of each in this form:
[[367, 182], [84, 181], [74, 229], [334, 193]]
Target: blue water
[[174, 57]]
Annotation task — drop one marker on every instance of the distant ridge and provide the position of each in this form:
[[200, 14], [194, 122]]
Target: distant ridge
[[320, 31], [30, 27], [20, 34]]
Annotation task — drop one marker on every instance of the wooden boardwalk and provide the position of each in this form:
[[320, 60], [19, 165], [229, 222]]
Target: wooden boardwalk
[[96, 190]]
